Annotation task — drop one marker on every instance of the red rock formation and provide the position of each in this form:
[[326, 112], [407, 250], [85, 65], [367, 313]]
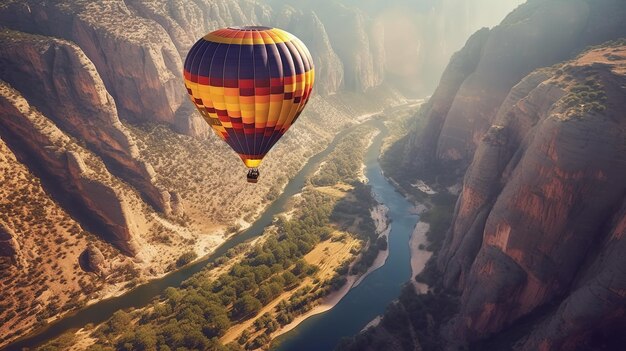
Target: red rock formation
[[537, 34], [541, 212], [421, 148]]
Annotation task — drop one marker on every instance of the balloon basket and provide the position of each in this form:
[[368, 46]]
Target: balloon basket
[[253, 175]]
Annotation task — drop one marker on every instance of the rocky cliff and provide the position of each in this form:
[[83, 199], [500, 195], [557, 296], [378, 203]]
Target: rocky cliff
[[135, 57], [70, 91], [536, 130], [537, 34], [534, 257], [137, 47], [40, 244], [540, 216], [81, 178]]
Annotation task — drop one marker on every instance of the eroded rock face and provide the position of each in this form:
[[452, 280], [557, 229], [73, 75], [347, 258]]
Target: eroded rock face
[[595, 308], [70, 91], [355, 45], [537, 34], [541, 212], [178, 208], [135, 57], [87, 184], [138, 47]]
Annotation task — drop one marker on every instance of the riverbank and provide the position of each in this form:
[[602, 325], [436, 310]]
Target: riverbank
[[361, 174], [379, 215], [327, 303]]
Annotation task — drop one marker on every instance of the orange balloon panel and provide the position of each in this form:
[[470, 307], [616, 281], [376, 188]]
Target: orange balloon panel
[[250, 84]]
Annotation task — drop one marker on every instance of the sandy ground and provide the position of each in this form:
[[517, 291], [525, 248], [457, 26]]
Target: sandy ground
[[365, 117], [205, 242], [419, 257]]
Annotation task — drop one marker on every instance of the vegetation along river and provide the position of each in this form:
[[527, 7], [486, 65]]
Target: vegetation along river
[[319, 332], [370, 298]]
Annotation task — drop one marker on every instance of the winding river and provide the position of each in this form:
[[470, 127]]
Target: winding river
[[320, 332], [370, 298]]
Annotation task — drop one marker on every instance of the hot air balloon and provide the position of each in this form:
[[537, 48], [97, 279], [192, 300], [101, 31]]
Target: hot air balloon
[[250, 84]]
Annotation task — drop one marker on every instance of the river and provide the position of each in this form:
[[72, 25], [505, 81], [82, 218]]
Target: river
[[370, 298], [319, 332]]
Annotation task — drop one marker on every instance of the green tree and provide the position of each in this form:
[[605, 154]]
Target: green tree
[[246, 307], [120, 321]]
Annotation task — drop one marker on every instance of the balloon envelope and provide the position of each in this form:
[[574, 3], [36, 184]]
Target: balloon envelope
[[250, 84]]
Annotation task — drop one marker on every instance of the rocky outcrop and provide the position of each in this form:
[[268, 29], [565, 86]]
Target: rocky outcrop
[[541, 215], [93, 260], [178, 208], [185, 21], [70, 91], [537, 34], [86, 184], [135, 57], [9, 247]]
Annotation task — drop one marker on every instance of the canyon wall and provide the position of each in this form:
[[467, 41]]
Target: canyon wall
[[537, 131], [56, 77], [539, 218], [537, 34]]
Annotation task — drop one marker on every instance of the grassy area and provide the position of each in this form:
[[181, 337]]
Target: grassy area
[[323, 262], [583, 97]]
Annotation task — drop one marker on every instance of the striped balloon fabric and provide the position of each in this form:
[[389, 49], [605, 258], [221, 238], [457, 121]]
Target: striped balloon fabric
[[250, 84]]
